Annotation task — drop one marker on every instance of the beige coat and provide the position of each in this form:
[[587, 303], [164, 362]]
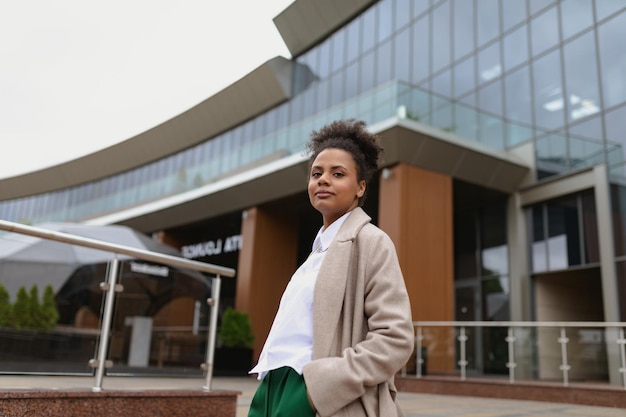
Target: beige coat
[[362, 330]]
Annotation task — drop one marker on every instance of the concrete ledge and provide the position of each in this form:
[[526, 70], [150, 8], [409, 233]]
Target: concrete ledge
[[582, 394], [153, 403]]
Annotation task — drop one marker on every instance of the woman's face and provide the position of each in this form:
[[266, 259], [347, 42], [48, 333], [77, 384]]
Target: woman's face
[[334, 186]]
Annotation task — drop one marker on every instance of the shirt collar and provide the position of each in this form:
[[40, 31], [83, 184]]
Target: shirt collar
[[325, 237]]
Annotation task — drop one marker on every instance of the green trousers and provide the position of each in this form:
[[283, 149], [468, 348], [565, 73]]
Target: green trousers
[[282, 393]]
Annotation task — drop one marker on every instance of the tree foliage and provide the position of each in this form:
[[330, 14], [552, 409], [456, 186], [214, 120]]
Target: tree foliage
[[236, 329], [6, 309], [29, 311]]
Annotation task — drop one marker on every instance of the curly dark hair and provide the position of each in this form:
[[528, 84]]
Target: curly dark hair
[[351, 136]]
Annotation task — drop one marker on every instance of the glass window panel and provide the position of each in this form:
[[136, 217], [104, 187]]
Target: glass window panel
[[518, 97], [490, 98], [463, 28], [465, 244], [420, 51], [539, 255], [491, 131], [489, 63], [549, 104], [494, 249], [464, 80], [296, 109], [618, 201], [402, 13], [537, 5], [513, 12], [420, 7], [367, 75], [353, 40], [324, 60], [544, 31], [582, 92], [605, 8], [351, 85], [385, 19], [336, 89], [611, 37], [590, 227], [470, 100], [621, 288], [441, 84], [402, 56], [466, 121], [441, 36], [383, 63], [339, 51], [465, 304], [515, 48], [563, 234], [495, 306], [309, 58], [589, 129], [309, 102], [576, 16], [369, 32], [487, 20], [323, 97], [615, 122]]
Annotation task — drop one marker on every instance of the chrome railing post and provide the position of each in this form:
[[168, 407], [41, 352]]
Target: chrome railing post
[[621, 340], [563, 340], [418, 354], [111, 287], [463, 361], [510, 339], [214, 302]]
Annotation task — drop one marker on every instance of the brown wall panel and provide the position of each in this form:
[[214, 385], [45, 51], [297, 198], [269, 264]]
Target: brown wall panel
[[415, 209], [266, 262]]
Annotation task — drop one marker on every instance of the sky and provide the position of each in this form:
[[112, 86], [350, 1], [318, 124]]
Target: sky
[[77, 76]]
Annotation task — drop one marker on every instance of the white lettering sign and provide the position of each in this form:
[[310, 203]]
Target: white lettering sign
[[159, 271], [212, 247]]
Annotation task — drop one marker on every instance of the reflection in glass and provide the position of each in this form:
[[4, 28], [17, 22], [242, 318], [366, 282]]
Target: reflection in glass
[[576, 16], [516, 47], [463, 28], [548, 91], [612, 59], [580, 78], [544, 31]]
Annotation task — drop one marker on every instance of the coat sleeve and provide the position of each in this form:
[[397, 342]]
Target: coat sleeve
[[387, 344]]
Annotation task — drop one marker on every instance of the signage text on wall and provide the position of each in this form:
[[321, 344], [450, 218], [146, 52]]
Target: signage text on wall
[[212, 247]]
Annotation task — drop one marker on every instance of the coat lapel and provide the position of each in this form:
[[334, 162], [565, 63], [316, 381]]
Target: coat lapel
[[330, 286]]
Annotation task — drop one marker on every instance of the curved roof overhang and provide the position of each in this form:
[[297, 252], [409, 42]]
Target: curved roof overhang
[[404, 140], [305, 23], [262, 89]]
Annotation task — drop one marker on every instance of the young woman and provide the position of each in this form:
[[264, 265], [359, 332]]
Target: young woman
[[343, 327]]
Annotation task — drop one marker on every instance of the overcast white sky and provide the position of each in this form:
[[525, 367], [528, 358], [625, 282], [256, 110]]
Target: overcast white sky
[[80, 75]]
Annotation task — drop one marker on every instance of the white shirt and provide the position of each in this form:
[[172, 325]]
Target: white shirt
[[290, 341]]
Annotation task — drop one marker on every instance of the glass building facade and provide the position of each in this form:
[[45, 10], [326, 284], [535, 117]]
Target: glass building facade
[[504, 74]]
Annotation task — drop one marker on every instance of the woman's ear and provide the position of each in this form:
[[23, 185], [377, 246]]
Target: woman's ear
[[361, 191]]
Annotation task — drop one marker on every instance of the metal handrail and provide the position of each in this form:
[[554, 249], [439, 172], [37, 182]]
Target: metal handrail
[[115, 248], [111, 287], [563, 340]]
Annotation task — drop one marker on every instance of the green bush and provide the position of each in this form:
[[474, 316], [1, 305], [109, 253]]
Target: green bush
[[6, 309], [236, 330], [28, 311], [49, 309], [21, 310]]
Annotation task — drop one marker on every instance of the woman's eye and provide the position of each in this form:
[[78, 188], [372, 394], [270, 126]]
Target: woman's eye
[[338, 174], [315, 174]]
